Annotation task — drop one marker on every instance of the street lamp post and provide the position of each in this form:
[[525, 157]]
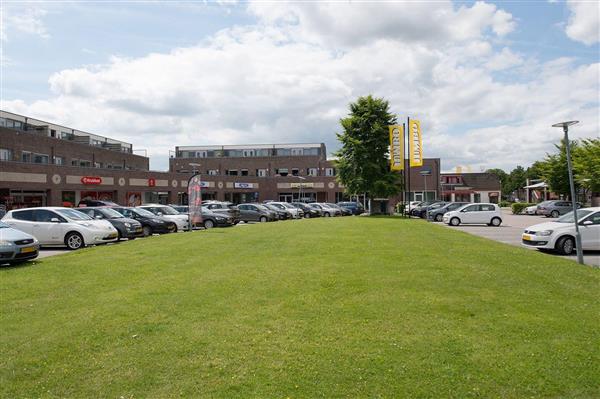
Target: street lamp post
[[300, 188], [578, 248], [425, 173]]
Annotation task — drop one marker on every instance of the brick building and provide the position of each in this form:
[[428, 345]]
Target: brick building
[[44, 164], [471, 187]]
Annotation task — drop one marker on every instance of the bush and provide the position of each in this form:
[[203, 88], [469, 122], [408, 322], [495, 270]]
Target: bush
[[518, 207], [504, 204]]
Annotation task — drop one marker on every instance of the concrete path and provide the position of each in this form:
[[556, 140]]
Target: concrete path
[[510, 233]]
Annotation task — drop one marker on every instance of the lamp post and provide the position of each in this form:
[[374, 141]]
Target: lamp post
[[425, 173], [194, 173], [300, 188], [565, 127]]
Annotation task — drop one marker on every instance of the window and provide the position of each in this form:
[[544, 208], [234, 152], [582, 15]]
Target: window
[[281, 171], [595, 218], [200, 154], [244, 172], [25, 156], [74, 162], [231, 172], [329, 171], [40, 158], [213, 172], [486, 208], [44, 215], [98, 165], [297, 151], [312, 171], [23, 215], [248, 153], [295, 172], [477, 197], [59, 160], [261, 172], [472, 208], [5, 155], [85, 164]]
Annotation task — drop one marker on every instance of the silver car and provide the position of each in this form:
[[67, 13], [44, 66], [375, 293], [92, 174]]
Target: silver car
[[16, 246]]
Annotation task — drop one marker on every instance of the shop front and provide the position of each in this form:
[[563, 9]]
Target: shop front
[[14, 199]]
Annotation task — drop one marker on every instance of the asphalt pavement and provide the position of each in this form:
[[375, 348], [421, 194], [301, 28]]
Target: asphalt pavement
[[510, 233]]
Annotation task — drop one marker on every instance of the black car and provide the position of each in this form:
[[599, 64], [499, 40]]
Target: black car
[[151, 224], [282, 214], [438, 213], [91, 202], [416, 211], [127, 228], [424, 210], [355, 208], [308, 211], [212, 219]]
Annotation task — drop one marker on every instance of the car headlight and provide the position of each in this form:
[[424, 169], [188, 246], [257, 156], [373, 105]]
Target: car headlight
[[545, 233], [5, 243], [127, 224]]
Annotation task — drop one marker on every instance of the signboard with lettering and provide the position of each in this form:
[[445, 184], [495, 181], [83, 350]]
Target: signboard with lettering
[[303, 185], [243, 185], [91, 180], [415, 143], [396, 147], [151, 182]]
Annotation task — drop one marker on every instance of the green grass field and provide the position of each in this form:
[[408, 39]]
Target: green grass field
[[344, 307]]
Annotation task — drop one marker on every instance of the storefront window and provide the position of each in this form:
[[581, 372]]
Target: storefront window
[[5, 154]]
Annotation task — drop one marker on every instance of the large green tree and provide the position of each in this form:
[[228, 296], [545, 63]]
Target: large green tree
[[363, 165], [556, 171], [586, 164]]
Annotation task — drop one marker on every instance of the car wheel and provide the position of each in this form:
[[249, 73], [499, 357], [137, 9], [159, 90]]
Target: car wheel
[[455, 221], [209, 224], [565, 245], [438, 217], [263, 219], [147, 231], [307, 215], [326, 214], [555, 214], [496, 222], [74, 241]]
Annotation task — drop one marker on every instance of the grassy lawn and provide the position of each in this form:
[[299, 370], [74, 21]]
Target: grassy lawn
[[352, 307]]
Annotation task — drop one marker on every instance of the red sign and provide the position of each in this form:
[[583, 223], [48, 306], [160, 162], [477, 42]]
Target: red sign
[[91, 180], [151, 182]]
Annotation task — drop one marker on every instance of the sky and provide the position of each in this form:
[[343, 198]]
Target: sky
[[486, 79]]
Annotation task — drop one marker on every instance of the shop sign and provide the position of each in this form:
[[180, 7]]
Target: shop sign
[[151, 182], [91, 180], [203, 184], [303, 185], [243, 185]]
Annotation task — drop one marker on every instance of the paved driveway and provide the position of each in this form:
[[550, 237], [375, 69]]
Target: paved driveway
[[510, 233]]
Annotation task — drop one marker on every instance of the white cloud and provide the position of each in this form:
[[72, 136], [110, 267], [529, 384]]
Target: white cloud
[[282, 81], [584, 22], [29, 20]]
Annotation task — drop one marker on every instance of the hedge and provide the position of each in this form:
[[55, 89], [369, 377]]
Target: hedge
[[518, 207]]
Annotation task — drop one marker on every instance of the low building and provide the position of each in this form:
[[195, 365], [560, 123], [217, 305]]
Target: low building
[[471, 187]]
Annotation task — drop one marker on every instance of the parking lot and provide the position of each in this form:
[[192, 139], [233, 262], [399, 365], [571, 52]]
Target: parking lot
[[511, 229]]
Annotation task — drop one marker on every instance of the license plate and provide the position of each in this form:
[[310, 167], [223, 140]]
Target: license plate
[[27, 250], [526, 237]]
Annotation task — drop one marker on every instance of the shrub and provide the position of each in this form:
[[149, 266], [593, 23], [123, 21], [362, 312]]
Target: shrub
[[518, 207], [504, 204]]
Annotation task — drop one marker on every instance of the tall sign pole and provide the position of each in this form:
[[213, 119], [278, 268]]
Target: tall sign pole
[[406, 199], [408, 135]]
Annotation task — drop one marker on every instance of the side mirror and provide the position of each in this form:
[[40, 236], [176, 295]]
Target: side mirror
[[55, 220], [587, 223]]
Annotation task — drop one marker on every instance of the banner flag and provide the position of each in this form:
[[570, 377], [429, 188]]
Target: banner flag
[[195, 200], [415, 143], [396, 147]]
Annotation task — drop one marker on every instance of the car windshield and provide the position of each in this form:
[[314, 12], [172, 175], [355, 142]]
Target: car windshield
[[167, 210], [144, 213], [314, 206], [437, 205], [285, 204], [73, 214], [110, 213], [568, 217], [278, 206], [262, 207]]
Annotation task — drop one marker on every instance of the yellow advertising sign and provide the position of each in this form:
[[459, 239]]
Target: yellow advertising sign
[[397, 147], [415, 143]]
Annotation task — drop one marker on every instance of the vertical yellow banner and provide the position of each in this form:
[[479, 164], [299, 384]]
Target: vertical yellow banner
[[415, 143], [396, 147]]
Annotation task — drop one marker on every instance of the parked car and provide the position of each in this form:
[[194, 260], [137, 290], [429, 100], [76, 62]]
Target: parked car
[[256, 213], [57, 226], [556, 208], [416, 211], [318, 208], [183, 209], [474, 214], [90, 202], [151, 224], [344, 211], [356, 208], [212, 219], [127, 228], [224, 208], [329, 210], [308, 211], [180, 220], [296, 213], [560, 234], [530, 210], [437, 214], [424, 210], [16, 246], [282, 214], [541, 204]]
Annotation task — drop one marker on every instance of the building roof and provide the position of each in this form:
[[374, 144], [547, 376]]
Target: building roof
[[480, 181], [247, 146]]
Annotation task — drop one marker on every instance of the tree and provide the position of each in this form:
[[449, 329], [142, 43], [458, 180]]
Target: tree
[[502, 176], [363, 158], [556, 170], [586, 164]]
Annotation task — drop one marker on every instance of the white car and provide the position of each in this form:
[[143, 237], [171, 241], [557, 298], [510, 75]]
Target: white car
[[297, 213], [475, 214], [56, 226], [530, 210], [560, 234], [180, 220]]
